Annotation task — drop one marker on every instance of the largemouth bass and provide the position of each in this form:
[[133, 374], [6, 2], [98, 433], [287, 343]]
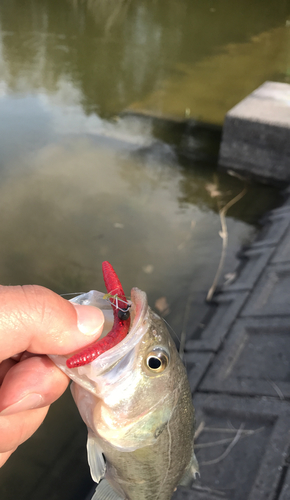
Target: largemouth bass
[[136, 402]]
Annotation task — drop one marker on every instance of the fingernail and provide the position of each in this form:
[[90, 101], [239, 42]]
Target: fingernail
[[27, 403], [90, 319]]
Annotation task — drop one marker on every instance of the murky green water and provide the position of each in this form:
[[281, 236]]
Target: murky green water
[[86, 175]]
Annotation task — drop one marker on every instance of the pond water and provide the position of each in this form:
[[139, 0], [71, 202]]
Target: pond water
[[102, 158]]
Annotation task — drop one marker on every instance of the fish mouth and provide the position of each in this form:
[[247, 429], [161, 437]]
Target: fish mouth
[[87, 375], [139, 314]]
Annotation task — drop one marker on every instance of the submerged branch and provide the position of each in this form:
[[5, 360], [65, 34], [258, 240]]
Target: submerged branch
[[224, 235]]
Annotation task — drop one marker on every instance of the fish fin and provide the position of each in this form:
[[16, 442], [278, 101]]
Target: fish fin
[[191, 472], [95, 458], [104, 491]]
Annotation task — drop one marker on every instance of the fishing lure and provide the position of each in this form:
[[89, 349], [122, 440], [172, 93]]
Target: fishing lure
[[121, 311]]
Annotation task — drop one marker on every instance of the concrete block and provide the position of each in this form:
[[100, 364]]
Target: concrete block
[[282, 255], [271, 294], [240, 448], [285, 493], [216, 328], [254, 360], [191, 315], [286, 194], [256, 134], [196, 364], [274, 229], [257, 259]]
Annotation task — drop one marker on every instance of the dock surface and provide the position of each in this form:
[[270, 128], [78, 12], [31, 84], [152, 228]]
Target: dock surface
[[239, 372]]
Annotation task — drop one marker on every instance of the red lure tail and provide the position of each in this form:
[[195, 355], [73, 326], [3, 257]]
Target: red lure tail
[[121, 321]]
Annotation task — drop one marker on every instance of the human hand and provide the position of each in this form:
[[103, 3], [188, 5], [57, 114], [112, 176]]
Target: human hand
[[35, 321]]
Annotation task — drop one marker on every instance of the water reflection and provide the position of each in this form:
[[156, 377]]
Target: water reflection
[[76, 190], [116, 53]]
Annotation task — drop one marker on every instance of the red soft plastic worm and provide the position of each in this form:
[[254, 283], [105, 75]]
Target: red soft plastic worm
[[120, 326]]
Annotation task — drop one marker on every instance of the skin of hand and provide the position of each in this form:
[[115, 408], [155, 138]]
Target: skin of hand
[[35, 321]]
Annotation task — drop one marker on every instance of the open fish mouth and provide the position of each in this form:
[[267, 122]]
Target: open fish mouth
[[87, 375], [121, 312]]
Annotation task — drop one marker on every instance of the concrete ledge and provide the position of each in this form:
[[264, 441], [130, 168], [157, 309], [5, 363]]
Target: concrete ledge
[[256, 134], [271, 294], [282, 255], [196, 364], [252, 269], [286, 488], [274, 229], [253, 470], [229, 306], [254, 361]]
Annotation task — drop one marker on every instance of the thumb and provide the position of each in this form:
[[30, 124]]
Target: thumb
[[35, 319]]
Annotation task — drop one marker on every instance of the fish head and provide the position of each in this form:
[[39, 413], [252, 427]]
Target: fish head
[[128, 394]]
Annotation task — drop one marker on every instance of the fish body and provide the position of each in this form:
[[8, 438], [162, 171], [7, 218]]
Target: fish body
[[136, 402]]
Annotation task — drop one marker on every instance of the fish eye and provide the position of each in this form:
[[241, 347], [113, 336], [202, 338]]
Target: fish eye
[[157, 360]]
